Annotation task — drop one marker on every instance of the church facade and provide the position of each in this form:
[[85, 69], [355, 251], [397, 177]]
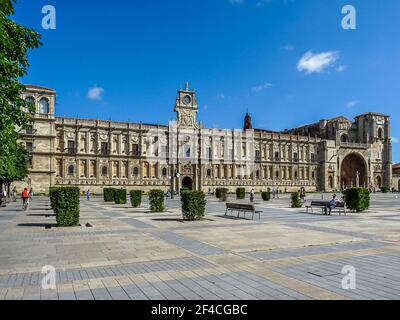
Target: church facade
[[93, 154]]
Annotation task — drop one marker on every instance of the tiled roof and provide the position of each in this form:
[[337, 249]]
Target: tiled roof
[[31, 86]]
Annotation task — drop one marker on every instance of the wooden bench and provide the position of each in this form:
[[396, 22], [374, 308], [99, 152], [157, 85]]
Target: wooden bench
[[340, 206], [242, 208]]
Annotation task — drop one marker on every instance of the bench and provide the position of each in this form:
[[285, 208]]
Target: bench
[[242, 208], [340, 206]]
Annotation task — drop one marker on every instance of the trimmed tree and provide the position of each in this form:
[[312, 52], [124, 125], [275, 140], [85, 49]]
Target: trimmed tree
[[120, 196], [193, 205], [109, 194], [66, 206], [357, 199], [136, 198], [295, 200], [266, 196], [156, 199], [240, 193]]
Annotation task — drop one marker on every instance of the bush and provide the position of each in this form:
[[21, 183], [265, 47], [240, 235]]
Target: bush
[[296, 203], [385, 190], [66, 206], [184, 189], [193, 204], [357, 199], [51, 195], [156, 199], [221, 193], [266, 196], [136, 198], [240, 193], [109, 194], [120, 196]]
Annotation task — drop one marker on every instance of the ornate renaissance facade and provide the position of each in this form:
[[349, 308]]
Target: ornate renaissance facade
[[93, 154]]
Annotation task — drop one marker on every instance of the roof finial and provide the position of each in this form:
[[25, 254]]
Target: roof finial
[[187, 86]]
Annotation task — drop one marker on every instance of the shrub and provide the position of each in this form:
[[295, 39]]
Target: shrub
[[266, 196], [357, 199], [136, 198], [51, 195], [109, 194], [240, 193], [193, 204], [156, 199], [220, 193], [66, 206], [385, 190], [296, 203], [184, 189], [120, 196]]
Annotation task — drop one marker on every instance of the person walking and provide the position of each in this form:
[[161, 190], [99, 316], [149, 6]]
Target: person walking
[[31, 194], [14, 194], [88, 195], [25, 198], [252, 195]]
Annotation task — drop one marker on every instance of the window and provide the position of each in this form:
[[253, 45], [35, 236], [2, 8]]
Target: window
[[295, 157], [209, 154], [29, 129], [258, 155], [71, 147], [313, 157], [258, 174], [209, 173], [295, 174], [187, 151], [276, 156], [344, 138], [30, 162], [104, 148], [164, 172], [313, 174], [31, 104], [104, 171], [71, 170], [135, 150], [29, 146], [135, 172], [44, 106], [380, 133]]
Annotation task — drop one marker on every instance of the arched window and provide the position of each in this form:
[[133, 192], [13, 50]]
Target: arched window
[[104, 171], [344, 138], [258, 155], [209, 173], [31, 104], [164, 172], [44, 106], [187, 151], [380, 133], [71, 170], [258, 174], [135, 171], [295, 174]]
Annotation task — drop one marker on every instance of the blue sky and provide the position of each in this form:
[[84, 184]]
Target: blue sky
[[288, 61]]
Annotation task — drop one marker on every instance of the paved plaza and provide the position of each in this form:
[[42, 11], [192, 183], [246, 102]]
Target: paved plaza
[[134, 254]]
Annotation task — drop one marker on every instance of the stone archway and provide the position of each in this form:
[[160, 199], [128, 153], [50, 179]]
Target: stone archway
[[353, 171], [187, 182]]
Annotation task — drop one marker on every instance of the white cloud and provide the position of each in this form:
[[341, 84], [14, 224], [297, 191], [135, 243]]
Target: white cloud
[[220, 96], [318, 62], [395, 140], [95, 93], [352, 103], [341, 68], [261, 87]]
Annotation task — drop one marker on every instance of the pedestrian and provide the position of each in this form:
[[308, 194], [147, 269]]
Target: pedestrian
[[31, 194], [14, 194], [88, 195], [277, 192], [252, 195], [25, 198]]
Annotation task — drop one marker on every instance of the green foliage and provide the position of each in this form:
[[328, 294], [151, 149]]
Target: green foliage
[[357, 199], [184, 189], [52, 192], [136, 198], [120, 196], [15, 42], [221, 193], [295, 200], [266, 196], [240, 193], [109, 194], [65, 202], [385, 190], [193, 204], [156, 199]]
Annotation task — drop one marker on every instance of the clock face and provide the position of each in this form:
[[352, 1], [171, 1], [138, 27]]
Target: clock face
[[187, 99]]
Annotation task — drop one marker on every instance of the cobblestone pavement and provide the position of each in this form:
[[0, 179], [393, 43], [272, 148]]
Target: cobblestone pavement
[[134, 254]]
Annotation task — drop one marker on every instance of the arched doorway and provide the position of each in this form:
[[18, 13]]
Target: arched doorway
[[353, 171], [187, 182], [379, 182]]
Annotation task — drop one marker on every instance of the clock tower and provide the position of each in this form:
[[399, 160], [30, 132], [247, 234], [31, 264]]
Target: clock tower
[[186, 108]]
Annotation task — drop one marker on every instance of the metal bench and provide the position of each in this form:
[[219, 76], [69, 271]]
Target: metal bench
[[340, 206], [242, 208]]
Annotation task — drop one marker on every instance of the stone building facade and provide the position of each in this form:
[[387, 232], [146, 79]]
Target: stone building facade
[[93, 154]]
